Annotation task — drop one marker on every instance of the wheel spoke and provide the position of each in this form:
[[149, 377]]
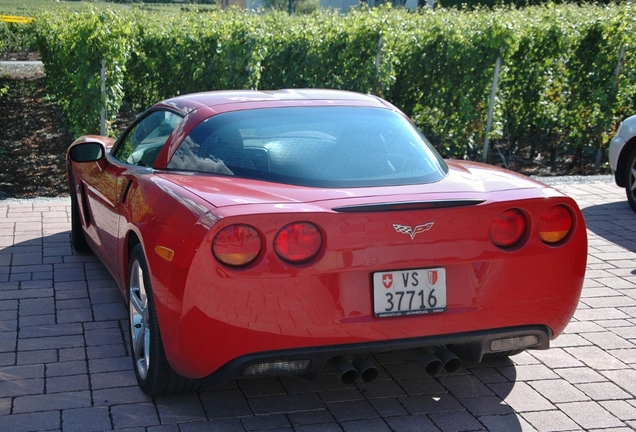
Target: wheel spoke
[[139, 302], [136, 303], [139, 343], [146, 358]]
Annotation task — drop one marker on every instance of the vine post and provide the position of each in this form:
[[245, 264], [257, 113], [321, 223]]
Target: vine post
[[102, 114], [491, 107], [378, 60]]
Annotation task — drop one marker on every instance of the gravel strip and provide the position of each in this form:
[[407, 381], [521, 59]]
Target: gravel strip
[[571, 180], [22, 69]]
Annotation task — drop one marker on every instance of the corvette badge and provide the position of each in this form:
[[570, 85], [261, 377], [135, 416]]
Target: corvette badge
[[412, 232]]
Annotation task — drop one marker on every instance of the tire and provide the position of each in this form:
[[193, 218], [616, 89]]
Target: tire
[[630, 179], [154, 375], [78, 239]]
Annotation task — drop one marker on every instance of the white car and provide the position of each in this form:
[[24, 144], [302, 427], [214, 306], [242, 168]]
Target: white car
[[622, 158]]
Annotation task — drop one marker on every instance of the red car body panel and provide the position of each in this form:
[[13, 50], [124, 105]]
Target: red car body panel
[[273, 305], [211, 314]]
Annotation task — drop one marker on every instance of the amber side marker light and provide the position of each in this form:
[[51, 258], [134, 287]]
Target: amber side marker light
[[165, 253], [555, 224], [237, 245], [298, 242], [508, 229]]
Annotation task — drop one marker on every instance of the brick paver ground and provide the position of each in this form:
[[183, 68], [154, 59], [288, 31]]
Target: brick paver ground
[[64, 361]]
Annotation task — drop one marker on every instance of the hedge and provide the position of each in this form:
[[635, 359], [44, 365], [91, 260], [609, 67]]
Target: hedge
[[17, 37], [558, 91]]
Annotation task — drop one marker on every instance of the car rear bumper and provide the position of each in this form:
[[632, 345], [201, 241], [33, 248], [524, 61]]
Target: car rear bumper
[[469, 346], [241, 320], [615, 147]]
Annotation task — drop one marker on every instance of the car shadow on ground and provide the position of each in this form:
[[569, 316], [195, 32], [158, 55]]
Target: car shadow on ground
[[614, 222], [70, 298]]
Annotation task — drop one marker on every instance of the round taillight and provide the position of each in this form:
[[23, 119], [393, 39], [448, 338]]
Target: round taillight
[[237, 245], [508, 229], [298, 242], [555, 224]]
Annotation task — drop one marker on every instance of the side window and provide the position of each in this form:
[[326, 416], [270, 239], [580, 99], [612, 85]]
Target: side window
[[144, 141]]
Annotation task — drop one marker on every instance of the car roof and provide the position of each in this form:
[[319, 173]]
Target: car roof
[[289, 97]]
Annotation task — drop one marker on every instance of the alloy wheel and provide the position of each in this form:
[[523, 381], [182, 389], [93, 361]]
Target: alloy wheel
[[139, 320]]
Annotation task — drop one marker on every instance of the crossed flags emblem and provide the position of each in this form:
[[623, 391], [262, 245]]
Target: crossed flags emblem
[[412, 232]]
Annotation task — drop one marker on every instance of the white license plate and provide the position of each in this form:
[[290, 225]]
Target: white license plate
[[409, 292]]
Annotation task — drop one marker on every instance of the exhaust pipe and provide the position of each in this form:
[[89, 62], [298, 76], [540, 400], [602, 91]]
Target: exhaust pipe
[[368, 371], [346, 373], [441, 359], [431, 363], [451, 361]]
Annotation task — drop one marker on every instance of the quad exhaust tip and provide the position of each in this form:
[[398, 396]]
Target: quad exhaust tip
[[433, 362], [348, 372]]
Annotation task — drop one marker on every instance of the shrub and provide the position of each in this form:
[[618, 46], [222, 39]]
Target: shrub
[[558, 88]]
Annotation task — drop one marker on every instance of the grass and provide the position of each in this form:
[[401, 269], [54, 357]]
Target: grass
[[30, 7]]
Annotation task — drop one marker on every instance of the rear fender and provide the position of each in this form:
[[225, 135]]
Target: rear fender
[[165, 220]]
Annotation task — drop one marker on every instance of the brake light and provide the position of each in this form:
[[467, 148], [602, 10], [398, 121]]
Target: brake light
[[508, 229], [298, 242], [555, 224], [237, 245]]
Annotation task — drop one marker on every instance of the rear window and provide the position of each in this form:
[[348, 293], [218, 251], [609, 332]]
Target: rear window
[[312, 146]]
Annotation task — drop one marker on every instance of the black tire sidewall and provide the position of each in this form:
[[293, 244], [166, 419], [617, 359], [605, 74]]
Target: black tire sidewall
[[631, 161]]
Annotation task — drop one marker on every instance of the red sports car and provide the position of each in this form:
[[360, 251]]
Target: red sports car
[[269, 233]]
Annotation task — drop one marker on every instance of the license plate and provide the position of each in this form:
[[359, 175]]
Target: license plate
[[409, 292]]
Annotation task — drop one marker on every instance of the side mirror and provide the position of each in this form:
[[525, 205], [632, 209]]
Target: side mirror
[[87, 152]]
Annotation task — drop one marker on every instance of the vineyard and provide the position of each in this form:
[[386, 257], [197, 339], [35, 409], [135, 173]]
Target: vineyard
[[563, 75]]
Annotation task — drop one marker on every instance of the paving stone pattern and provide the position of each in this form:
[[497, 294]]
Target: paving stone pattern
[[64, 361]]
